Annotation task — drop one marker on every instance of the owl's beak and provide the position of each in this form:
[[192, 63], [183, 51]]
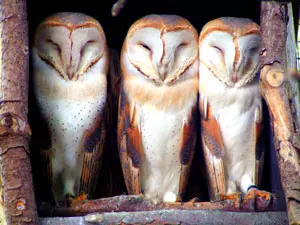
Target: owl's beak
[[235, 77], [70, 73], [162, 71]]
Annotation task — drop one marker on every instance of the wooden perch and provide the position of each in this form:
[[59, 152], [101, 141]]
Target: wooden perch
[[132, 203], [166, 217], [17, 193], [282, 95]]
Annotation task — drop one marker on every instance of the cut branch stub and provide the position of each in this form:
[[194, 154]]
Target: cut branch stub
[[275, 77]]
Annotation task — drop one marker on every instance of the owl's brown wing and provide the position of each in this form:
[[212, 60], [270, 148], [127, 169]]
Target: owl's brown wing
[[258, 145], [213, 148], [130, 145], [93, 147]]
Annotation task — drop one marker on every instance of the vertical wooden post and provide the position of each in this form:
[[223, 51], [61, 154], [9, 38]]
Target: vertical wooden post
[[282, 96], [17, 193]]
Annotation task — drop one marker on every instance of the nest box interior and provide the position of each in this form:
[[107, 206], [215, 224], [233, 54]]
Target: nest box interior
[[115, 29]]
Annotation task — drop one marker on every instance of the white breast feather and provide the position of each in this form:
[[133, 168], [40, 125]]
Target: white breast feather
[[234, 109], [68, 120], [161, 137]]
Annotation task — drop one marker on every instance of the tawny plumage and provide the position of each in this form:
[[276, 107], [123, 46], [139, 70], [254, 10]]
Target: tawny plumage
[[230, 104], [70, 64], [157, 106]]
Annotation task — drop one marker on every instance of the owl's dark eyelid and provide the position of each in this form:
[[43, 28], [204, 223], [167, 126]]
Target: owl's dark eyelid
[[88, 42], [54, 43], [145, 46], [182, 44], [216, 47]]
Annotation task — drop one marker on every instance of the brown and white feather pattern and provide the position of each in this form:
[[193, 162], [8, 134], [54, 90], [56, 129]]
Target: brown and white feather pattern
[[228, 86], [160, 79], [70, 63]]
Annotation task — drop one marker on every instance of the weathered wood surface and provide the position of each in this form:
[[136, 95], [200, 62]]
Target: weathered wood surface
[[281, 97], [17, 197], [132, 203], [192, 217]]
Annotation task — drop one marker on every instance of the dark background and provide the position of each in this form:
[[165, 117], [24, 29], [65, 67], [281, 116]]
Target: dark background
[[115, 28], [197, 12]]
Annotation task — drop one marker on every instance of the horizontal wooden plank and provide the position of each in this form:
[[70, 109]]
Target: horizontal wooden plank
[[172, 217], [136, 203]]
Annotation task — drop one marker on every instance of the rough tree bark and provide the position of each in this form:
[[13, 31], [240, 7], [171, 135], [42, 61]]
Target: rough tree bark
[[281, 95], [17, 193]]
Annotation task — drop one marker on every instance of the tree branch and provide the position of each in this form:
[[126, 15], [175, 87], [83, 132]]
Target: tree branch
[[17, 193], [282, 96]]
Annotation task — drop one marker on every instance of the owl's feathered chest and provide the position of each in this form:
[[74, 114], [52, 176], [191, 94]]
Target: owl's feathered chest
[[234, 109], [166, 97], [228, 102], [69, 120], [70, 108]]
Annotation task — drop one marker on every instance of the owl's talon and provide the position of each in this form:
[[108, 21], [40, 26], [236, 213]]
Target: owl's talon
[[236, 198], [193, 200], [82, 197], [69, 197], [179, 198], [138, 197], [260, 199]]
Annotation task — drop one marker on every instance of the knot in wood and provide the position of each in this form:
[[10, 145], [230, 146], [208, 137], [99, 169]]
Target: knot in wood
[[7, 121], [12, 123], [275, 77], [21, 204]]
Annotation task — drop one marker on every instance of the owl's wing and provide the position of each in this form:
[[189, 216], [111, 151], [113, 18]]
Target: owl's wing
[[213, 148], [130, 145], [93, 147], [187, 149], [258, 145]]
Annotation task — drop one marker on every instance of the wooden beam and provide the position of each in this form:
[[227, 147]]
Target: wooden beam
[[17, 193], [132, 203], [282, 97], [198, 217]]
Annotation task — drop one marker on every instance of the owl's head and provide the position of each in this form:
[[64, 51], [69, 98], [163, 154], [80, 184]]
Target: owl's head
[[160, 48], [70, 43], [229, 48]]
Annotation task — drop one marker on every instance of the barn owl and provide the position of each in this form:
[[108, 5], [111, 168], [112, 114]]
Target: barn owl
[[157, 106], [230, 105], [70, 64]]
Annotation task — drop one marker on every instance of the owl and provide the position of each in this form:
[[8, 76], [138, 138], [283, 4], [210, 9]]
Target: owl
[[158, 106], [70, 63], [231, 105]]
